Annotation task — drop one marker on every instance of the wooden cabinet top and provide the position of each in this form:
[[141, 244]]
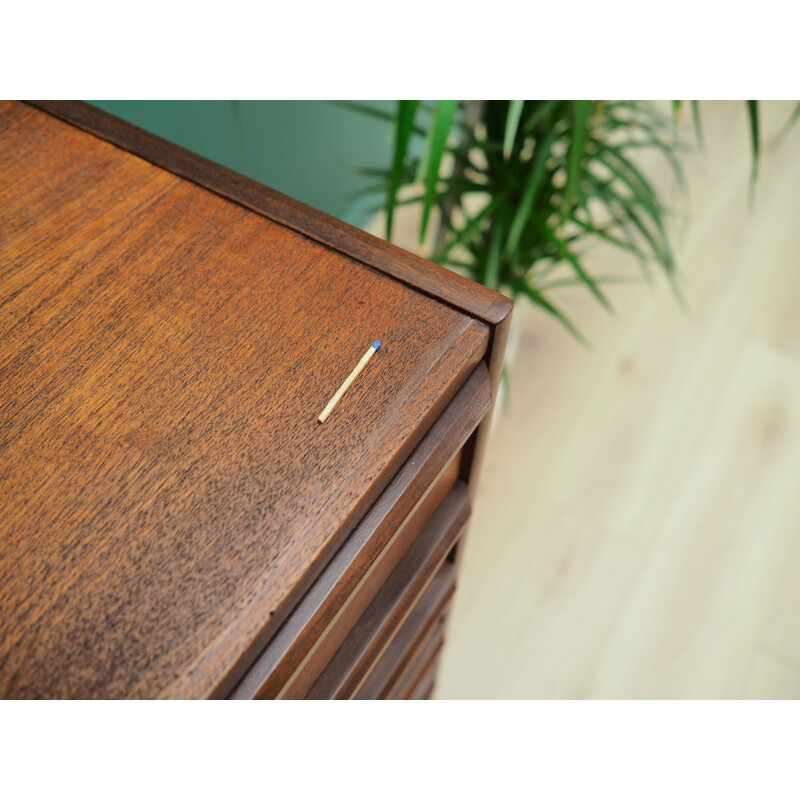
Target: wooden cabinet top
[[169, 333]]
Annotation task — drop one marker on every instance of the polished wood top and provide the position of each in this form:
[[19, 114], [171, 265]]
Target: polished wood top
[[165, 489]]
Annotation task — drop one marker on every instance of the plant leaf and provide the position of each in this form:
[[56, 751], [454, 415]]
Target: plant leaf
[[403, 126], [536, 116], [602, 279], [668, 151], [529, 193], [495, 250], [755, 144], [512, 123], [676, 115], [565, 254], [617, 156], [605, 191], [635, 114], [698, 128], [437, 143], [464, 234], [643, 193], [619, 225], [540, 300], [580, 117], [607, 235]]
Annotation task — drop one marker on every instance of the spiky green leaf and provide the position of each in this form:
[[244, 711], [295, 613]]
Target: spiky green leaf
[[437, 143], [580, 119], [755, 143], [512, 123], [698, 127], [404, 124]]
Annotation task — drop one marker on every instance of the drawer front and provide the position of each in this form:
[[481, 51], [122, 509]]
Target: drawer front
[[300, 650], [379, 572], [424, 688], [428, 613], [348, 669], [423, 663]]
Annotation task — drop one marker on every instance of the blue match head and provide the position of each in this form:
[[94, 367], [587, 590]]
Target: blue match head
[[376, 344]]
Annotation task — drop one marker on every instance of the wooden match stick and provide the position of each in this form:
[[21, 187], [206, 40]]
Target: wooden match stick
[[350, 378]]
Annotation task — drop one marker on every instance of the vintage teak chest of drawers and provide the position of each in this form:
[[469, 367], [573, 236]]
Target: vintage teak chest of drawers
[[175, 522]]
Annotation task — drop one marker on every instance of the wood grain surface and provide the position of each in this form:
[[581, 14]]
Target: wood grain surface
[[166, 492], [443, 284]]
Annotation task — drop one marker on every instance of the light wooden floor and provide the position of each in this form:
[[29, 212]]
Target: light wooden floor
[[637, 533]]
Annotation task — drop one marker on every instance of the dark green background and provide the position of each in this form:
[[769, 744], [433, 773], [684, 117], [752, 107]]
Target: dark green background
[[306, 149]]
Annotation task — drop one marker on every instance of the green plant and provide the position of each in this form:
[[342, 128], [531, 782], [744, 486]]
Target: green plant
[[518, 187], [516, 190]]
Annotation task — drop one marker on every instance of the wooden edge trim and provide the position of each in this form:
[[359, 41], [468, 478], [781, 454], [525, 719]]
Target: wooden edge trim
[[424, 276], [475, 447]]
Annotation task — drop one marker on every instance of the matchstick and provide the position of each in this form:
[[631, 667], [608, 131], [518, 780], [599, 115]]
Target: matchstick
[[350, 378]]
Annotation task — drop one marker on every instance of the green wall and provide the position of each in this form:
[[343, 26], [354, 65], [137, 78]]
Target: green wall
[[306, 149]]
